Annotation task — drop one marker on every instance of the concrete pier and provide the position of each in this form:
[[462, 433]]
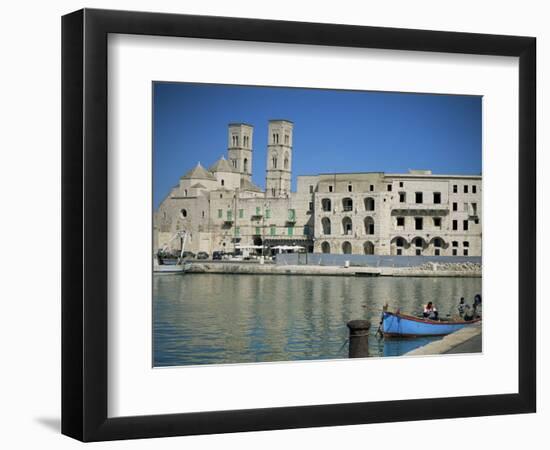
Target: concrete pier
[[467, 340]]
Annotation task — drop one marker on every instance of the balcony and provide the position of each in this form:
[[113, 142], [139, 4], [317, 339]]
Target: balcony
[[258, 214], [229, 218], [291, 217], [425, 208], [472, 211]]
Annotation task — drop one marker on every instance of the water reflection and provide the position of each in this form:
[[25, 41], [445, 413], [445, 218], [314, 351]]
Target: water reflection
[[211, 318]]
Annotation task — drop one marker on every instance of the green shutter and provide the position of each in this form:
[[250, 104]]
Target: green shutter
[[258, 211], [229, 214], [237, 231], [272, 231], [291, 214], [258, 230], [220, 213], [290, 231], [241, 213], [267, 213]]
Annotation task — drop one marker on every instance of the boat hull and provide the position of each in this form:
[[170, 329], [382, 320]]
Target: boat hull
[[401, 325], [173, 268]]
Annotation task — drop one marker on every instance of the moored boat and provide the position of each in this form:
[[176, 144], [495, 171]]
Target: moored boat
[[170, 268], [171, 265], [403, 325]]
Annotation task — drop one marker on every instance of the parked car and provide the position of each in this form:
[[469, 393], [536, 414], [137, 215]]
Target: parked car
[[188, 255], [202, 255], [217, 255]]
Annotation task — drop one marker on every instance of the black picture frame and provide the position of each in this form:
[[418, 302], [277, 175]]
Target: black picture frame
[[84, 224]]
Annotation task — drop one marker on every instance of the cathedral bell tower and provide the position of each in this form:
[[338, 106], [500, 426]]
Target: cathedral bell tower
[[239, 148], [279, 158]]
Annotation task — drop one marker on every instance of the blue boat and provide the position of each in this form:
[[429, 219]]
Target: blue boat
[[403, 325]]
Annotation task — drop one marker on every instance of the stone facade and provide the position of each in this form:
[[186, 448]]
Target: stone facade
[[416, 213]]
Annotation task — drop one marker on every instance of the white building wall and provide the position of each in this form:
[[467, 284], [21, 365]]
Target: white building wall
[[221, 217]]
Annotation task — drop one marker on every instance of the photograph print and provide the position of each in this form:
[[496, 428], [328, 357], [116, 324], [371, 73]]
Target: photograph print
[[295, 224]]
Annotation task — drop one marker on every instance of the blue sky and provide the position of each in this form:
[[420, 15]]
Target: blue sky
[[334, 130]]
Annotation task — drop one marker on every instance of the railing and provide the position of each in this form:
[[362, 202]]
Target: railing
[[421, 207]]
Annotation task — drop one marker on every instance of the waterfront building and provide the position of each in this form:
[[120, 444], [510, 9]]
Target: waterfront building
[[373, 213]]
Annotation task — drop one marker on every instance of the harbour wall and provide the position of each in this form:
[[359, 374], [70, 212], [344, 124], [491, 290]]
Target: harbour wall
[[425, 270], [329, 259]]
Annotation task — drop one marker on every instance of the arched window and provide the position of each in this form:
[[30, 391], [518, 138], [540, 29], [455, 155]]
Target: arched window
[[346, 248], [183, 213], [326, 205], [369, 204], [347, 204], [325, 223], [437, 242], [245, 165], [347, 226], [286, 161], [274, 163], [368, 248], [223, 182], [418, 242], [325, 247], [185, 192], [397, 245], [369, 225]]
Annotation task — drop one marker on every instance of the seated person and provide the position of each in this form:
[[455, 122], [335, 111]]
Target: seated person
[[430, 311], [469, 313], [461, 306]]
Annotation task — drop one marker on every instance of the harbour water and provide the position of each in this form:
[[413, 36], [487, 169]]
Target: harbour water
[[223, 318]]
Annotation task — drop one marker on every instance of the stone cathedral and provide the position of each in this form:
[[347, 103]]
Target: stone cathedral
[[221, 209]]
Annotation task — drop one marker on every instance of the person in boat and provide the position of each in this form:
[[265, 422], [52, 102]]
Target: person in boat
[[469, 313], [461, 306], [477, 300], [430, 311], [477, 306]]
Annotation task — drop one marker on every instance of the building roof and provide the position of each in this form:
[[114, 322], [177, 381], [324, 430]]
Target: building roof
[[238, 124], [410, 174], [198, 186], [249, 186], [199, 173], [222, 165], [281, 120]]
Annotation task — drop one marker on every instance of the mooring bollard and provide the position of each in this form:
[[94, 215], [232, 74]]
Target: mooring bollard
[[358, 338]]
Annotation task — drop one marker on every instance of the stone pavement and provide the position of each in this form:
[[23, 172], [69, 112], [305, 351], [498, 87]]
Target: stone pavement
[[472, 345], [467, 340]]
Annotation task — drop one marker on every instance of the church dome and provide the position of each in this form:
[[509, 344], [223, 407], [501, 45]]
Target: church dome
[[222, 165], [199, 173]]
